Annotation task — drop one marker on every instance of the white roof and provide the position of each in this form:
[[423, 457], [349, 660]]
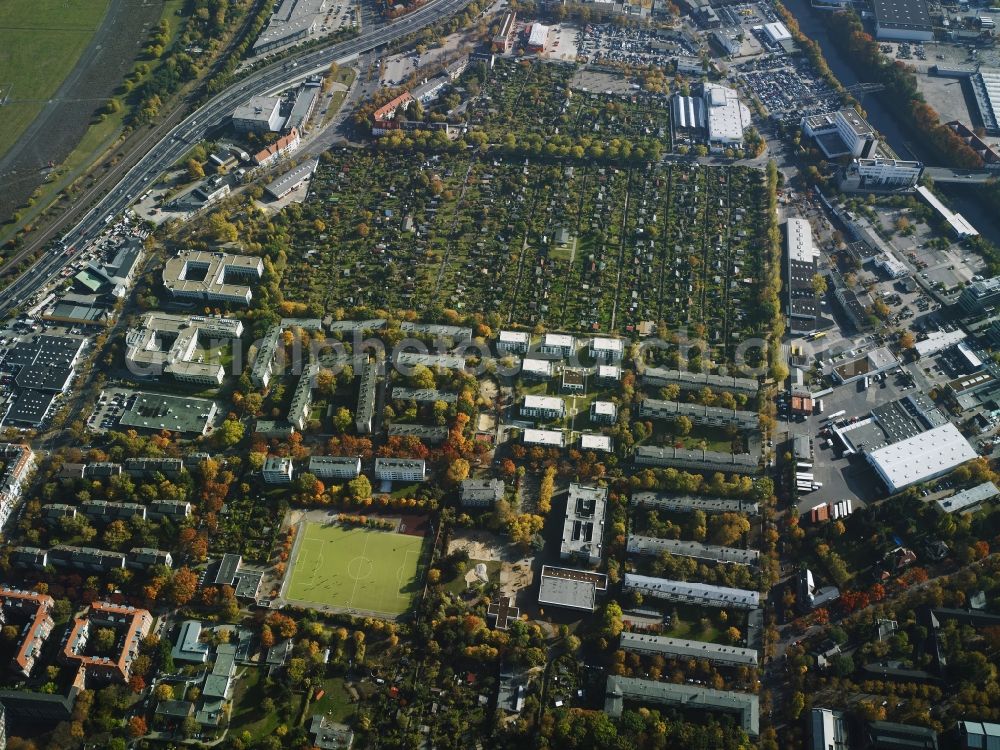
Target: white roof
[[514, 337], [539, 34], [728, 117], [544, 437], [607, 408], [938, 341], [968, 498], [590, 442], [777, 32], [921, 457], [705, 593], [553, 403], [607, 345], [609, 371], [537, 366], [957, 222], [559, 339], [800, 242]]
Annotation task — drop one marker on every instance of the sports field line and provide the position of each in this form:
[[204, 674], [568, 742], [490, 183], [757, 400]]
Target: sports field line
[[354, 590], [401, 572]]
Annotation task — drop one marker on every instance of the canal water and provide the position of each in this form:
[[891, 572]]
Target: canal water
[[961, 198]]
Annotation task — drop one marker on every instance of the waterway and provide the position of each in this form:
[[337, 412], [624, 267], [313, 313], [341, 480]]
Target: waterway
[[961, 198]]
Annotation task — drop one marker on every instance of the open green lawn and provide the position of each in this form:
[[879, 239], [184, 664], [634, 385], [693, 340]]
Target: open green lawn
[[40, 42], [357, 568]]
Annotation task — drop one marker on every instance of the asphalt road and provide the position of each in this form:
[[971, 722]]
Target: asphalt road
[[193, 128]]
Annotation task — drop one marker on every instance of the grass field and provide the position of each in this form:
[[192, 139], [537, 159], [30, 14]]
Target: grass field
[[40, 42], [357, 568]]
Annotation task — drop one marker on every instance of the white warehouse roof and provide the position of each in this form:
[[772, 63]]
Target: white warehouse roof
[[921, 457], [777, 32]]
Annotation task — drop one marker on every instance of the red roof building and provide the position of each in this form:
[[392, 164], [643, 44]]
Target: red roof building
[[18, 606], [131, 625]]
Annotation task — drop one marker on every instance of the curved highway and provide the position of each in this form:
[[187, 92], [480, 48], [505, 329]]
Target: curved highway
[[193, 128]]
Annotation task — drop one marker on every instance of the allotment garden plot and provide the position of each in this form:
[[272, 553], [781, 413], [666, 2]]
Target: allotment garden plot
[[355, 569]]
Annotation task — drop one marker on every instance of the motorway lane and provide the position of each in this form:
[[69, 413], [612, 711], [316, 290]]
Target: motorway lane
[[193, 128]]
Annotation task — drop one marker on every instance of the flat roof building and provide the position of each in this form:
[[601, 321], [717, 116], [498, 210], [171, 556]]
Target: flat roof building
[[291, 180], [552, 438], [174, 344], [540, 369], [277, 470], [480, 493], [957, 223], [513, 342], [291, 22], [262, 114], [594, 442], [214, 277], [538, 37], [156, 411], [570, 588], [728, 117], [560, 344], [744, 705], [841, 133], [968, 501], [679, 648], [921, 457], [583, 527], [400, 469], [829, 730], [335, 467], [650, 545], [543, 407], [691, 592], [903, 20], [691, 503]]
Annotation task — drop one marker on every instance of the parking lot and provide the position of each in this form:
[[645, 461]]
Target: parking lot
[[110, 406], [789, 90], [612, 45]]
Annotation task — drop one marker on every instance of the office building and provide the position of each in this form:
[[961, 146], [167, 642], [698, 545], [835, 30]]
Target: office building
[[881, 174], [176, 344], [157, 412], [980, 296], [262, 114], [212, 277], [291, 22], [841, 133]]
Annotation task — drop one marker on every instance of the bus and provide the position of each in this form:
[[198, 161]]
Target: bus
[[815, 336], [835, 416], [820, 406]]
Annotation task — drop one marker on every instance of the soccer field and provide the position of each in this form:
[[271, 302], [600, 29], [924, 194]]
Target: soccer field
[[356, 568]]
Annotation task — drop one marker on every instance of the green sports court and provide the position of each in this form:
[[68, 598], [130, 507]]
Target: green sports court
[[354, 568]]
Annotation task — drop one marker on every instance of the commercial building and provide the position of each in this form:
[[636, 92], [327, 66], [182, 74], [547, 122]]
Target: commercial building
[[281, 148], [155, 411], [691, 503], [176, 344], [213, 277], [504, 40], [551, 438], [968, 501], [537, 37], [277, 470], [728, 118], [980, 296], [938, 341], [570, 588], [986, 91], [622, 689], [130, 626], [697, 460], [583, 527], [801, 257], [875, 361], [690, 592], [543, 407], [650, 545], [777, 32], [661, 376], [957, 223], [513, 342], [688, 121], [841, 133], [364, 415], [480, 493], [903, 20], [45, 363], [714, 416], [681, 649], [291, 22], [262, 114], [880, 174], [829, 730], [291, 180], [400, 469], [921, 457], [29, 612], [335, 467]]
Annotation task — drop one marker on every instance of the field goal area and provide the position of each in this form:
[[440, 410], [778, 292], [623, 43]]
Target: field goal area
[[354, 569]]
